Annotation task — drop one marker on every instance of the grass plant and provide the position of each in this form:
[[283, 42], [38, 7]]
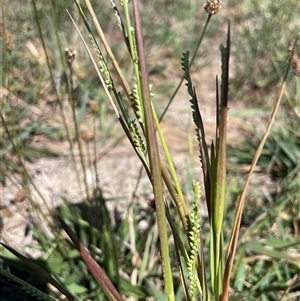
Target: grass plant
[[178, 256]]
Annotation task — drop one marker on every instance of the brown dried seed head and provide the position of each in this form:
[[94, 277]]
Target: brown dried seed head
[[295, 61], [21, 195], [86, 136], [291, 46], [94, 106], [5, 212], [70, 55], [137, 260], [151, 204], [212, 6], [9, 42]]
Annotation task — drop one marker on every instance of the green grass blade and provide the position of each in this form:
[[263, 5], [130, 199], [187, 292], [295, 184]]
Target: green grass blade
[[33, 291], [41, 272], [219, 181], [154, 159]]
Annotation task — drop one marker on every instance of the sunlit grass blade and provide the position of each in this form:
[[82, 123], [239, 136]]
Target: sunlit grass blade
[[219, 172]]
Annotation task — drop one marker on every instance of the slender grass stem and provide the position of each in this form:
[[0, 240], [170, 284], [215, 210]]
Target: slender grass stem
[[122, 78], [191, 63], [154, 159], [179, 201], [61, 107], [77, 134]]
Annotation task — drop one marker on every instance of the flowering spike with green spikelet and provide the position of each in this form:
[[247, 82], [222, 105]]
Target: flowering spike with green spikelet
[[295, 61], [194, 238], [102, 64], [135, 56], [196, 190], [200, 132], [136, 104], [185, 63], [139, 143]]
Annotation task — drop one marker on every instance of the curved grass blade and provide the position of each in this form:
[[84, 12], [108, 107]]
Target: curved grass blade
[[31, 290]]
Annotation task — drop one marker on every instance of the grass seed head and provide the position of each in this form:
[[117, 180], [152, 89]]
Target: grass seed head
[[70, 55], [94, 106], [212, 6], [9, 41], [21, 195], [295, 61], [86, 136]]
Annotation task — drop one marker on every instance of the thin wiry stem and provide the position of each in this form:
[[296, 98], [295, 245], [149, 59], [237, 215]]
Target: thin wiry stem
[[191, 63]]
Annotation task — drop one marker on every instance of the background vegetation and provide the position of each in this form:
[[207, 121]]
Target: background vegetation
[[37, 124]]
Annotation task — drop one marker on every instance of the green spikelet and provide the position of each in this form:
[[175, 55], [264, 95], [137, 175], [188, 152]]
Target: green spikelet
[[139, 143], [185, 63], [196, 190], [102, 65], [194, 232], [136, 104], [135, 56]]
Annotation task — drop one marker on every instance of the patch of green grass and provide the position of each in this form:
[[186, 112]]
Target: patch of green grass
[[262, 31]]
